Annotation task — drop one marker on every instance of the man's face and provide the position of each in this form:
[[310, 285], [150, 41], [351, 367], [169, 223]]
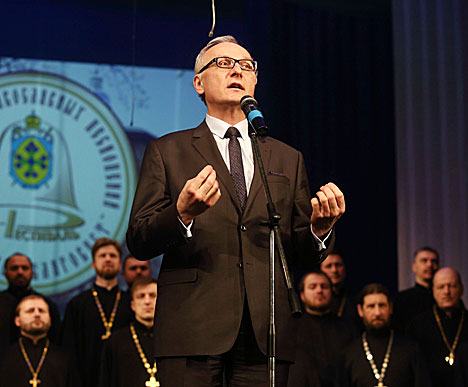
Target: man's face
[[447, 289], [18, 271], [334, 267], [425, 265], [106, 262], [144, 302], [135, 269], [225, 87], [375, 311], [316, 295], [33, 318]]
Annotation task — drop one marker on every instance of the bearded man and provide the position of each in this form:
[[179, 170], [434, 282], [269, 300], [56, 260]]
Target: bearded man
[[381, 357], [34, 360], [92, 316], [320, 334]]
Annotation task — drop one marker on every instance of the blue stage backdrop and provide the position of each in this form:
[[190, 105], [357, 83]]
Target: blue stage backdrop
[[69, 157]]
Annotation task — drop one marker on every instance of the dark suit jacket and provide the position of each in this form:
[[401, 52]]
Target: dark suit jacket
[[203, 281]]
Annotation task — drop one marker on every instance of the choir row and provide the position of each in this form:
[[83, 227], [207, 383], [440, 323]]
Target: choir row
[[106, 338]]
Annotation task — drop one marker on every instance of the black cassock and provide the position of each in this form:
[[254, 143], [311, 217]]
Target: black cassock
[[56, 371], [408, 304], [461, 366], [305, 371], [121, 363], [343, 299], [425, 331], [7, 308], [406, 367], [319, 341], [83, 328]]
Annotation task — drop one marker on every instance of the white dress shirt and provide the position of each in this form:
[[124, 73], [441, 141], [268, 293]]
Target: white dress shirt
[[218, 128]]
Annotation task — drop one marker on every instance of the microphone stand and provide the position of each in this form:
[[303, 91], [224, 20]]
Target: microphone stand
[[275, 242]]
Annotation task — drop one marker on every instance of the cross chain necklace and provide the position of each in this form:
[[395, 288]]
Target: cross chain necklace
[[451, 356], [151, 382], [379, 376], [107, 324], [34, 381]]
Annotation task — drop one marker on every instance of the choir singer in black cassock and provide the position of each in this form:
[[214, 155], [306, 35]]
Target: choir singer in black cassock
[[7, 307], [442, 332], [132, 269], [343, 302], [92, 316], [320, 335], [19, 273], [128, 359], [418, 299], [34, 360], [380, 357]]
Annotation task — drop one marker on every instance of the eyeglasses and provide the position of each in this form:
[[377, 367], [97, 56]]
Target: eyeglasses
[[224, 62]]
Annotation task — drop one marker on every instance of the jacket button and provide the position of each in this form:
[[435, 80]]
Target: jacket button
[[239, 264], [243, 228]]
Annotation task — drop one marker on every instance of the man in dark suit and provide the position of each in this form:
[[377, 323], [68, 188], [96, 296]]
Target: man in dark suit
[[199, 201]]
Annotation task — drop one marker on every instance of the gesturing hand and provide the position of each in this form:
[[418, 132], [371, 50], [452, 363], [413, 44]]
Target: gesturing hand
[[327, 208], [198, 194]]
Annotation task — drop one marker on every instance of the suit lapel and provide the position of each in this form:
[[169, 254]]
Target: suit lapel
[[205, 144]]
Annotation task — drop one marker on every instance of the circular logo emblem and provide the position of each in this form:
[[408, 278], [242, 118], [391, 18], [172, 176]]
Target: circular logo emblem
[[67, 173]]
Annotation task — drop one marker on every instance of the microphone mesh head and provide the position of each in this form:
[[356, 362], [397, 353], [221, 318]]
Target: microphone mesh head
[[248, 100]]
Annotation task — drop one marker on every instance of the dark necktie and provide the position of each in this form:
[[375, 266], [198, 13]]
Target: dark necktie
[[237, 168]]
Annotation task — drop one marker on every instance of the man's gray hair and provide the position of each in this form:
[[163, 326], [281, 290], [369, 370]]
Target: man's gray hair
[[213, 42]]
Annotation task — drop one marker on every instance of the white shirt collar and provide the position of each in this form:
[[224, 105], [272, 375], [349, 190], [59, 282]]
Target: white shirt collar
[[218, 127]]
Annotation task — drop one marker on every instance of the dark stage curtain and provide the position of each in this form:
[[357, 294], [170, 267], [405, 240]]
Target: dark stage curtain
[[326, 88]]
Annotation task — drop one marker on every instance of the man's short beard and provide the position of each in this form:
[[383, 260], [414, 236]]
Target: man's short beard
[[107, 275], [372, 328], [21, 282], [36, 331], [319, 309]]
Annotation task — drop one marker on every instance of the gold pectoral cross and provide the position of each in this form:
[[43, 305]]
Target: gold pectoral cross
[[152, 382], [380, 385], [34, 381], [106, 335], [450, 358]]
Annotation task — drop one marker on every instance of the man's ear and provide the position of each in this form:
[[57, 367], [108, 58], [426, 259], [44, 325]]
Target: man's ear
[[17, 321], [359, 310], [198, 84]]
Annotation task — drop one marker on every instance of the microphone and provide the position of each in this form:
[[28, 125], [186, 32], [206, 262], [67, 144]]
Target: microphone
[[250, 108]]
